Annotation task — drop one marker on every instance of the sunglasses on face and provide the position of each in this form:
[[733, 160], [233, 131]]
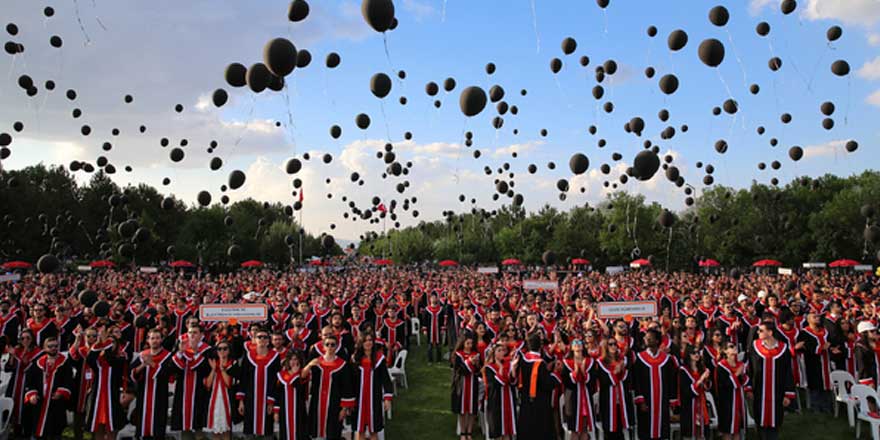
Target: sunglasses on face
[[52, 347], [223, 348], [262, 337], [330, 345]]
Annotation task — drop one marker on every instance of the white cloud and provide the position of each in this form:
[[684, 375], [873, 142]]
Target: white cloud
[[755, 6], [203, 103], [874, 99], [874, 39], [823, 150], [871, 69], [860, 12], [519, 149], [420, 10]]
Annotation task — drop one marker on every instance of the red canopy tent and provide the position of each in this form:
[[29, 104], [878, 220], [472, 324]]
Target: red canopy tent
[[580, 262], [709, 262], [767, 263], [511, 262], [641, 262], [844, 263], [448, 263], [102, 264], [9, 265], [383, 262], [181, 264], [252, 263]]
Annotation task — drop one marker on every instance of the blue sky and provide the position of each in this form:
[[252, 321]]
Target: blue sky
[[166, 53]]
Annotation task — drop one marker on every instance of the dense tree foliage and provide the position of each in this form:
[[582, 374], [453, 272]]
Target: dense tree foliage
[[45, 210]]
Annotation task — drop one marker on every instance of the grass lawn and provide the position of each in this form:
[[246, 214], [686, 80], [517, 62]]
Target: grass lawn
[[423, 411]]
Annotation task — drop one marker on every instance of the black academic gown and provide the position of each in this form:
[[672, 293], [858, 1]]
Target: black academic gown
[[500, 400], [465, 384], [43, 381], [291, 391], [372, 385], [257, 377], [615, 400], [535, 418], [150, 416], [729, 393], [331, 391], [190, 409], [579, 405], [655, 384], [108, 373], [771, 379]]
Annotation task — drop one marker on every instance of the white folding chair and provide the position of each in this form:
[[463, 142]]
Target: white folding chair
[[840, 379], [6, 404], [862, 394], [129, 430], [713, 411], [417, 330], [398, 370]]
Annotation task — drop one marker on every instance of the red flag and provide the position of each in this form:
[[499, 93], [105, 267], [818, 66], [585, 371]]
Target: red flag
[[301, 195], [381, 207]]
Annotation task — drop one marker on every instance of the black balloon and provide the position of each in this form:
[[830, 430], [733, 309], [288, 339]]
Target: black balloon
[[549, 258], [840, 68], [236, 75], [333, 60], [472, 101], [834, 33], [101, 308], [379, 14], [711, 52], [236, 179], [763, 28], [303, 58], [666, 219], [788, 6], [216, 163], [220, 97], [204, 198], [176, 155], [298, 11], [380, 85], [796, 153], [719, 15], [645, 165], [668, 84], [362, 120], [48, 263], [569, 45], [258, 77], [677, 40], [555, 65], [579, 163]]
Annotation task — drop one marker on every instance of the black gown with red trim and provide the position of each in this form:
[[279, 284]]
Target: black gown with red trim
[[692, 401], [655, 380], [256, 382], [150, 416], [465, 384], [578, 408], [331, 391], [730, 397], [49, 417], [432, 322], [771, 378], [108, 373], [615, 400], [372, 385], [536, 385], [189, 411], [817, 359], [500, 400], [291, 391]]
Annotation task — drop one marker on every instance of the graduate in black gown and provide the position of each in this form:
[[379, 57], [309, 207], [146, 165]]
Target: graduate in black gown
[[655, 377], [150, 372], [466, 364], [770, 358], [579, 377], [693, 382], [47, 389], [500, 379], [373, 388], [730, 385], [615, 400], [291, 390], [537, 379], [332, 393]]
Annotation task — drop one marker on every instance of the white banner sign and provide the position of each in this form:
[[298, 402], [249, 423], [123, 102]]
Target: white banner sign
[[10, 277], [784, 271], [620, 309], [241, 312], [488, 269], [611, 270], [149, 269], [540, 284], [84, 268], [814, 265], [863, 268]]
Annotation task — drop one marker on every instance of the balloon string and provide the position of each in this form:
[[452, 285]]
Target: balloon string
[[816, 67], [385, 118], [738, 58], [246, 124], [726, 87], [535, 26], [79, 21], [387, 53]]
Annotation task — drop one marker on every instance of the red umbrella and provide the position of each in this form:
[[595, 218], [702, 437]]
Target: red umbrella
[[709, 263], [17, 265], [580, 262], [767, 263], [844, 263], [641, 262], [252, 263], [448, 263], [511, 262], [181, 263], [383, 262], [316, 263], [102, 263]]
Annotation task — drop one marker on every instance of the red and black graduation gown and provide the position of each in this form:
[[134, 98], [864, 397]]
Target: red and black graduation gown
[[150, 416], [23, 361], [771, 379], [729, 393], [791, 338], [867, 364], [300, 339], [615, 401], [82, 377], [817, 359], [579, 406], [49, 417], [394, 333], [500, 400], [372, 385], [331, 390], [465, 385], [536, 383], [108, 372], [432, 322], [291, 391], [189, 411], [256, 380], [692, 401], [9, 327], [654, 379], [222, 392], [65, 332], [42, 329]]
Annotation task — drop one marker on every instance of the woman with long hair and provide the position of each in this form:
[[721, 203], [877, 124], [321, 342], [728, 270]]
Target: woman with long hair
[[579, 378], [693, 381], [465, 384], [20, 359], [291, 390], [730, 382], [713, 352], [615, 400], [222, 392], [500, 379], [373, 387]]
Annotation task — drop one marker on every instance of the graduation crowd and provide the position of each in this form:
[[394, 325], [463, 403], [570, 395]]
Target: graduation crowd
[[525, 364]]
